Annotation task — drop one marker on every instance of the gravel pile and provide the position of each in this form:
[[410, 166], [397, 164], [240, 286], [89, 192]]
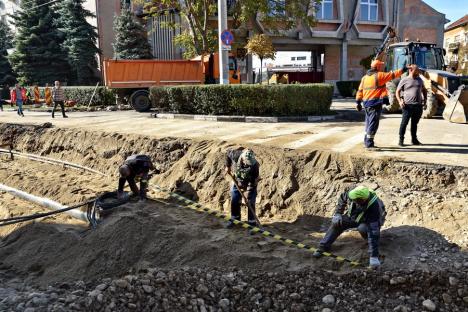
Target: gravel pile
[[192, 289]]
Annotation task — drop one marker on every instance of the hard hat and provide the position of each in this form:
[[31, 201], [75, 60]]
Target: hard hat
[[377, 64], [360, 192], [248, 157]]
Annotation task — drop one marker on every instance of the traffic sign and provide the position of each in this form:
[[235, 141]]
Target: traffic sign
[[227, 37]]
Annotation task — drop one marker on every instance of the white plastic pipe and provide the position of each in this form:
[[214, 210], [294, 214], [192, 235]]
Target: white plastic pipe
[[44, 202]]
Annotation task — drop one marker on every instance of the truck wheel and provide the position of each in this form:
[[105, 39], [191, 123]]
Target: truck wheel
[[432, 106], [140, 101]]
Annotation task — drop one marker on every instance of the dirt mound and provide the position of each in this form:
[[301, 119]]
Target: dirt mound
[[214, 289]]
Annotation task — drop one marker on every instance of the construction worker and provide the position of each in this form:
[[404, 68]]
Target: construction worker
[[412, 103], [48, 95], [242, 165], [373, 94], [358, 207], [135, 166]]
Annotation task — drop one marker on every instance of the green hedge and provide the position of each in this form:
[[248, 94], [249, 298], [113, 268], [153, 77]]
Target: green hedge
[[82, 95], [348, 88], [251, 100]]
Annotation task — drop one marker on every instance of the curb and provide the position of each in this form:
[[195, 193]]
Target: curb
[[259, 119]]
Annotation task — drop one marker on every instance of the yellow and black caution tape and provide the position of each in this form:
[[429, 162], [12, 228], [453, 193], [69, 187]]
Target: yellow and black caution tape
[[200, 208]]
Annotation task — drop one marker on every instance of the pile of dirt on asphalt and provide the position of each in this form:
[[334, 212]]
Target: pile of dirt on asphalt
[[426, 226]]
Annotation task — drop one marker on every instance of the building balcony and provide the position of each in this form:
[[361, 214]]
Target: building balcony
[[453, 47]]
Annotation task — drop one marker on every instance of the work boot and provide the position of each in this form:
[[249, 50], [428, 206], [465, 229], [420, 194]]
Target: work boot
[[230, 224], [401, 142], [374, 262], [416, 142], [318, 253], [65, 116]]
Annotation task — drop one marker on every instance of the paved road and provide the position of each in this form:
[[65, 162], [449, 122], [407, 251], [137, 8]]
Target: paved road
[[444, 142]]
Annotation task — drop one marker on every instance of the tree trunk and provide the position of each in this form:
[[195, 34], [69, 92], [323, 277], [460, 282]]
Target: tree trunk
[[261, 70]]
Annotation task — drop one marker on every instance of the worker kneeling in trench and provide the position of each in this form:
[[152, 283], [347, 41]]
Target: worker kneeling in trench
[[359, 208], [135, 166]]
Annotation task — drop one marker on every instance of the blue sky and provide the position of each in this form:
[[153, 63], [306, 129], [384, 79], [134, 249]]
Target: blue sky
[[453, 9]]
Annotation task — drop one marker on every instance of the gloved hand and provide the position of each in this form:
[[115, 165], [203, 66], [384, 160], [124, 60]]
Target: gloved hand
[[337, 219], [359, 105], [374, 262]]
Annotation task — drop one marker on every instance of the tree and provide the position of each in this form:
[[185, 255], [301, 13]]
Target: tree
[[261, 46], [6, 72], [202, 32], [131, 42], [79, 40], [38, 57]]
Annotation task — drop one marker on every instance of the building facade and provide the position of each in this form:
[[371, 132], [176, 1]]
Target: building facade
[[456, 45], [347, 31], [8, 8]]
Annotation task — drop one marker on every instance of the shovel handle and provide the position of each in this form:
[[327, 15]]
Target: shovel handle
[[245, 199]]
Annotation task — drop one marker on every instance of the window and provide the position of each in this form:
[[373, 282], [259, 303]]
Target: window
[[369, 10], [293, 58], [466, 37], [302, 58], [325, 10], [457, 38]]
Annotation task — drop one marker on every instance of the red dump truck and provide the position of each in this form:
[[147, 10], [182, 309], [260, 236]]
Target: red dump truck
[[133, 78]]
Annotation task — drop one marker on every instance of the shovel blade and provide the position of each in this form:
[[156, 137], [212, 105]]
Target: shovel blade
[[456, 110]]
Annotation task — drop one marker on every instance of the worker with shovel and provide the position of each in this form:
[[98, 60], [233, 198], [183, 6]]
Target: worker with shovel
[[135, 167], [359, 208], [244, 170]]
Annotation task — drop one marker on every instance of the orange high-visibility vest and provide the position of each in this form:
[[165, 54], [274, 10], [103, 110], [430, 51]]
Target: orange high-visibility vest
[[37, 95], [48, 96], [372, 89]]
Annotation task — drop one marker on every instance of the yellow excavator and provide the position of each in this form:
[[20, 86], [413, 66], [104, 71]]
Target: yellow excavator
[[446, 93]]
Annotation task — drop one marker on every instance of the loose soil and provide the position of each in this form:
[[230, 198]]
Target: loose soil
[[426, 227]]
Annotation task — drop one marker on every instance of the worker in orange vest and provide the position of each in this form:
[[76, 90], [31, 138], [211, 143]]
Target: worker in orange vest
[[48, 95], [37, 95], [373, 94]]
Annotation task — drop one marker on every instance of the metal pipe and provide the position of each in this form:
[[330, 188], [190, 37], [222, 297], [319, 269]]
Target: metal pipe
[[44, 202]]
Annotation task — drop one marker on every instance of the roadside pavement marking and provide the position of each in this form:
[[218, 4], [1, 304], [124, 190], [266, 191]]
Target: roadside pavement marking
[[237, 134], [314, 137], [276, 135], [349, 143]]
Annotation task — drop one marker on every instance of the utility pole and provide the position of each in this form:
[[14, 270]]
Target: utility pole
[[223, 53]]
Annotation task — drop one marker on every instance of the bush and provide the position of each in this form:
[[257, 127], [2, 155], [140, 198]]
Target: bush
[[252, 100], [348, 88]]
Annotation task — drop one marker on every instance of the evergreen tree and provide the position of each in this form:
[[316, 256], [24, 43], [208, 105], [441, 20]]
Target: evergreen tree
[[79, 40], [131, 41], [6, 39], [39, 56]]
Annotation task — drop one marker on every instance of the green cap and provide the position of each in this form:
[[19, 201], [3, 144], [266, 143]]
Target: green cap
[[360, 192]]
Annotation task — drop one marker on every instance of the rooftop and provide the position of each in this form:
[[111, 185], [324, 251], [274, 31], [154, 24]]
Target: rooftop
[[460, 22]]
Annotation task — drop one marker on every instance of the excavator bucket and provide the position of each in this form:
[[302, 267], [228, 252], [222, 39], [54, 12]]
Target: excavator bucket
[[456, 110]]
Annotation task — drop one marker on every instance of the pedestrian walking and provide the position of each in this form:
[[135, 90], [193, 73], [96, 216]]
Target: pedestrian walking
[[373, 94], [358, 207], [17, 96], [241, 163], [412, 102], [59, 99]]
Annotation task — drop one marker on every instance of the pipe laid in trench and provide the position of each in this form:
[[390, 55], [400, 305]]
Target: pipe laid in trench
[[50, 160], [44, 202]]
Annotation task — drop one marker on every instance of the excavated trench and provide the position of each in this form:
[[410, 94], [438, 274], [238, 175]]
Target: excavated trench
[[426, 227]]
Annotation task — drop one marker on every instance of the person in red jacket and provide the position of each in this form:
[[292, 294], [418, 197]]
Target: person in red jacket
[[17, 96]]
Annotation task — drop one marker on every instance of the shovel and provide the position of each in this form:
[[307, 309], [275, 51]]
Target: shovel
[[245, 199]]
